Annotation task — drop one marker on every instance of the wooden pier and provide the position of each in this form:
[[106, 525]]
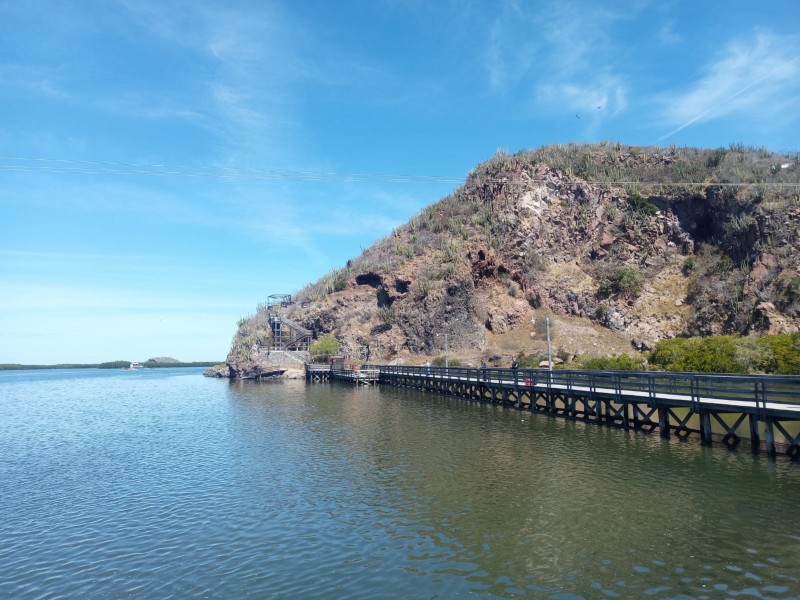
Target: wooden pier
[[726, 408], [318, 372], [367, 376]]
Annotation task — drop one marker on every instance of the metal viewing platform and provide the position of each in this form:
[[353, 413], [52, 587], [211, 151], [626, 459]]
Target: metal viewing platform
[[726, 408], [286, 334]]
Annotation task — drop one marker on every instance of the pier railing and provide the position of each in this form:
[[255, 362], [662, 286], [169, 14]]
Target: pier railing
[[360, 376], [755, 390], [729, 408]]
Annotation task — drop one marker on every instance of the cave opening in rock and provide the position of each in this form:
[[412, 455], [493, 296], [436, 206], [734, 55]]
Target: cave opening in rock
[[370, 279], [696, 217]]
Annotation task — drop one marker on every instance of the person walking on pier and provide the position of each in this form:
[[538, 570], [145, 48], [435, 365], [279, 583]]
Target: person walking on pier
[[515, 364]]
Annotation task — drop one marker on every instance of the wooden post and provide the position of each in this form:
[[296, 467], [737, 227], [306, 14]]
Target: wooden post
[[705, 428], [663, 422], [755, 436], [770, 438]]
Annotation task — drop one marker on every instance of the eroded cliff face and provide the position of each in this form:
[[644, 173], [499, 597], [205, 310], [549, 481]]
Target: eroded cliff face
[[564, 233]]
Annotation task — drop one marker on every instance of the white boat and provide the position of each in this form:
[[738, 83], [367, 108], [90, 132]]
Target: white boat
[[135, 366]]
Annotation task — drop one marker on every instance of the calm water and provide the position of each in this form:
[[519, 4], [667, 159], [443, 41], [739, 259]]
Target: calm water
[[163, 483]]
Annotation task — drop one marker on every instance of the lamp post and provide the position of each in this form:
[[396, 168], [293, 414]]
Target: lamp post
[[549, 353]]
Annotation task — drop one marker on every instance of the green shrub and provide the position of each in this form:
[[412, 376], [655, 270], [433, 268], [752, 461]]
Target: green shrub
[[626, 281], [423, 288], [790, 293], [753, 355], [715, 157], [327, 344], [778, 354], [385, 315], [529, 361], [621, 362], [785, 349], [404, 251], [715, 354], [641, 207], [440, 360]]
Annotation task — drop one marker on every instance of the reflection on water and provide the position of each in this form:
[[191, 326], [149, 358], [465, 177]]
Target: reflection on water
[[171, 484]]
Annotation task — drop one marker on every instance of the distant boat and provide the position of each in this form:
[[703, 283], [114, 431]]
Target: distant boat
[[134, 366]]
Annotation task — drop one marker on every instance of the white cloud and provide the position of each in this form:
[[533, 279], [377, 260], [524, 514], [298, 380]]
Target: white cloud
[[751, 79], [600, 98], [151, 106], [509, 52], [562, 52]]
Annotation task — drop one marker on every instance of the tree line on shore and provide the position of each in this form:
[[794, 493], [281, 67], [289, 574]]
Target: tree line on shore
[[116, 364]]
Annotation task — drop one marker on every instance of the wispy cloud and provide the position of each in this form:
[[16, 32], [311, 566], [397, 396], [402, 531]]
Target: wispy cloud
[[247, 71], [667, 34], [139, 105], [509, 53], [41, 80], [599, 98], [65, 256], [754, 78], [34, 298], [562, 52]]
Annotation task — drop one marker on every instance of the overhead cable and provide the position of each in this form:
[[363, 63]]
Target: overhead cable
[[65, 166]]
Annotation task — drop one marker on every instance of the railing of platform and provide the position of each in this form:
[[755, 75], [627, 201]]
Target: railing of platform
[[756, 390]]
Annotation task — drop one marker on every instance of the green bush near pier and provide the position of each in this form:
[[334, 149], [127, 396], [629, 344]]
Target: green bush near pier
[[777, 354]]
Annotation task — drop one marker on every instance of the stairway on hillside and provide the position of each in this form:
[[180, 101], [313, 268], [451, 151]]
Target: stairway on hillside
[[286, 334]]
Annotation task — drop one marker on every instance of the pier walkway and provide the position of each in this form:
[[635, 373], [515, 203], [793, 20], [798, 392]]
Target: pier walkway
[[728, 408], [362, 376], [358, 376]]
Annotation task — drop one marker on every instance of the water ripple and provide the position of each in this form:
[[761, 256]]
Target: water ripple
[[170, 485]]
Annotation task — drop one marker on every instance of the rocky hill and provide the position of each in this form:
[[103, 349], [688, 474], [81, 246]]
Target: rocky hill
[[619, 246]]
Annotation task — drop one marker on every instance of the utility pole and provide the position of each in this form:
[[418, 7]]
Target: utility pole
[[549, 353], [446, 363]]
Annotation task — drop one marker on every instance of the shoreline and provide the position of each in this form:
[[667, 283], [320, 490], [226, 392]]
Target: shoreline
[[119, 364]]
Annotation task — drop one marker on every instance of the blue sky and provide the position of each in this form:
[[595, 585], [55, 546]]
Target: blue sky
[[167, 165]]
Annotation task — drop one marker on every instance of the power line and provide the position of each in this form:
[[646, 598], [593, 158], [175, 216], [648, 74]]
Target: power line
[[221, 172], [135, 168]]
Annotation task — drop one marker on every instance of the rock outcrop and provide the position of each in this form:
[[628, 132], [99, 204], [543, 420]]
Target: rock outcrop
[[220, 371], [619, 246]]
